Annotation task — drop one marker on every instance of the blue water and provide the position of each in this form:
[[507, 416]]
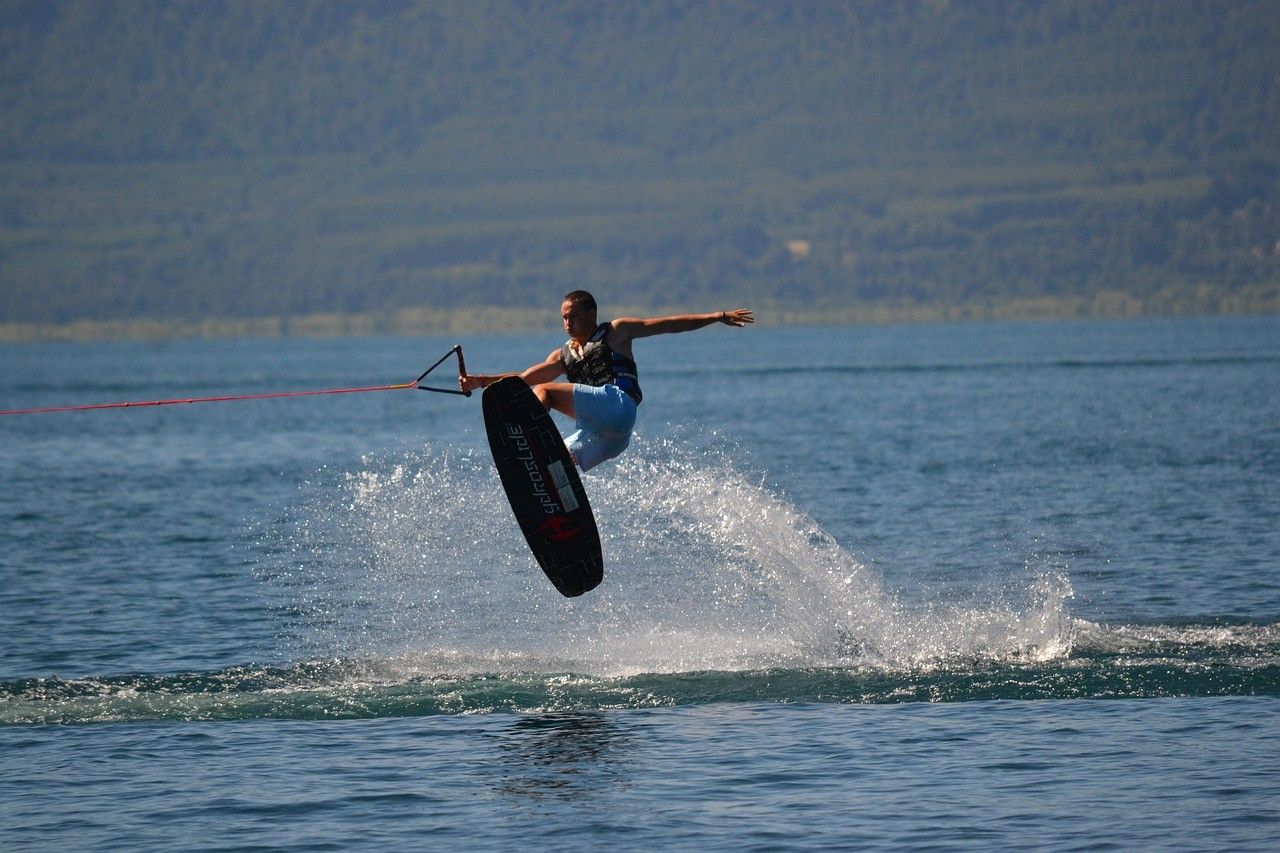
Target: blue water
[[952, 586]]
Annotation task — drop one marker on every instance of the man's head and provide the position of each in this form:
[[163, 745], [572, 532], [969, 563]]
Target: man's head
[[578, 311]]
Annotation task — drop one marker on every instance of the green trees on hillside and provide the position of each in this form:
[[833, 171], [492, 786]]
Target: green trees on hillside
[[256, 159]]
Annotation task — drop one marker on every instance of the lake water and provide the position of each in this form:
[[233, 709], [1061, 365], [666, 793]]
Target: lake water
[[920, 586]]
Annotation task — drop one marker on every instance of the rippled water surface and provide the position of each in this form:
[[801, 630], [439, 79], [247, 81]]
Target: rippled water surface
[[982, 585]]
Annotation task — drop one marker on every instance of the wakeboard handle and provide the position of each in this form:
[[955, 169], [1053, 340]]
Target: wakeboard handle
[[462, 371]]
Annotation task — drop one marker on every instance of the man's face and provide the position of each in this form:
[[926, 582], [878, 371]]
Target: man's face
[[578, 322]]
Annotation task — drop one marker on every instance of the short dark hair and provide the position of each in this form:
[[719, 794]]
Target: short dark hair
[[581, 298]]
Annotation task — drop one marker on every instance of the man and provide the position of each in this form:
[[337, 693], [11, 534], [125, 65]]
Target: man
[[603, 390]]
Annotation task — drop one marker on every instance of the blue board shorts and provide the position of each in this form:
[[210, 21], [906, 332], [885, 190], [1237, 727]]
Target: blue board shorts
[[605, 415]]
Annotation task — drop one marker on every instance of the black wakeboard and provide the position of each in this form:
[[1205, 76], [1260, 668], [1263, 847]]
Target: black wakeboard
[[543, 486]]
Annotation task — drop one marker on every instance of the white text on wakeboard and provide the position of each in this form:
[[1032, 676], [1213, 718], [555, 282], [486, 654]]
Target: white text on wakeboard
[[524, 453]]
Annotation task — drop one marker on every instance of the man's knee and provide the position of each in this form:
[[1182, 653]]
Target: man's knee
[[559, 398]]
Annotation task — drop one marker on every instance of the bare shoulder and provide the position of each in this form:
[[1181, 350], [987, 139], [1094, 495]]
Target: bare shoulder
[[622, 331], [627, 326]]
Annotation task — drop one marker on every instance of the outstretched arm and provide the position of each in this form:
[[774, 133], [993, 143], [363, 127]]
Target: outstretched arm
[[543, 371], [635, 327]]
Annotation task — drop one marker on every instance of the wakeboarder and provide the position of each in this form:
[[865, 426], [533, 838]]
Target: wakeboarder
[[603, 391]]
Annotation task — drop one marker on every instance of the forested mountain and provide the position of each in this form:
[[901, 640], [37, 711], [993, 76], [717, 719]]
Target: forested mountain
[[177, 161]]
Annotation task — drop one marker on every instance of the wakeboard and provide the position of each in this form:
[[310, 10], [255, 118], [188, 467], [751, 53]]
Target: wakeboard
[[543, 487]]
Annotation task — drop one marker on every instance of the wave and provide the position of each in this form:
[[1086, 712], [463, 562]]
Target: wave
[[408, 591], [1117, 662]]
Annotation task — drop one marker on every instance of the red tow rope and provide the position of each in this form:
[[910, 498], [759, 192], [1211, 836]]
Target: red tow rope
[[136, 404]]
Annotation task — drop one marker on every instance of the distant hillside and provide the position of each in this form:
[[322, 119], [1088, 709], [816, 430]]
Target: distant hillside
[[177, 161]]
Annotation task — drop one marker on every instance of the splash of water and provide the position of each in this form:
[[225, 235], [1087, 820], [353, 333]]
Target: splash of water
[[412, 593], [705, 570]]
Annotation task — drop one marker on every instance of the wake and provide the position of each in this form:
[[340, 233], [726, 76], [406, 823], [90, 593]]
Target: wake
[[1121, 662]]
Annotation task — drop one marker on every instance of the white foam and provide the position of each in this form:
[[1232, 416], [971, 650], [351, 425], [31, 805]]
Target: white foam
[[705, 570], [1229, 640]]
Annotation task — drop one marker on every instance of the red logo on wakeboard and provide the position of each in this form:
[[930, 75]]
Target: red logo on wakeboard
[[558, 528]]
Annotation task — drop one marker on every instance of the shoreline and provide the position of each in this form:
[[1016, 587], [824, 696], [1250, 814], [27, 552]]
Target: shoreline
[[1110, 305]]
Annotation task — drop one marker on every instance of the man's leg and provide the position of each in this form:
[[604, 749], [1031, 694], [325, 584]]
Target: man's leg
[[556, 395], [605, 417]]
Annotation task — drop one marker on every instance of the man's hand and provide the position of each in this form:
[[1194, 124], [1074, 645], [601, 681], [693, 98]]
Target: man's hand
[[737, 317], [543, 371], [468, 382]]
